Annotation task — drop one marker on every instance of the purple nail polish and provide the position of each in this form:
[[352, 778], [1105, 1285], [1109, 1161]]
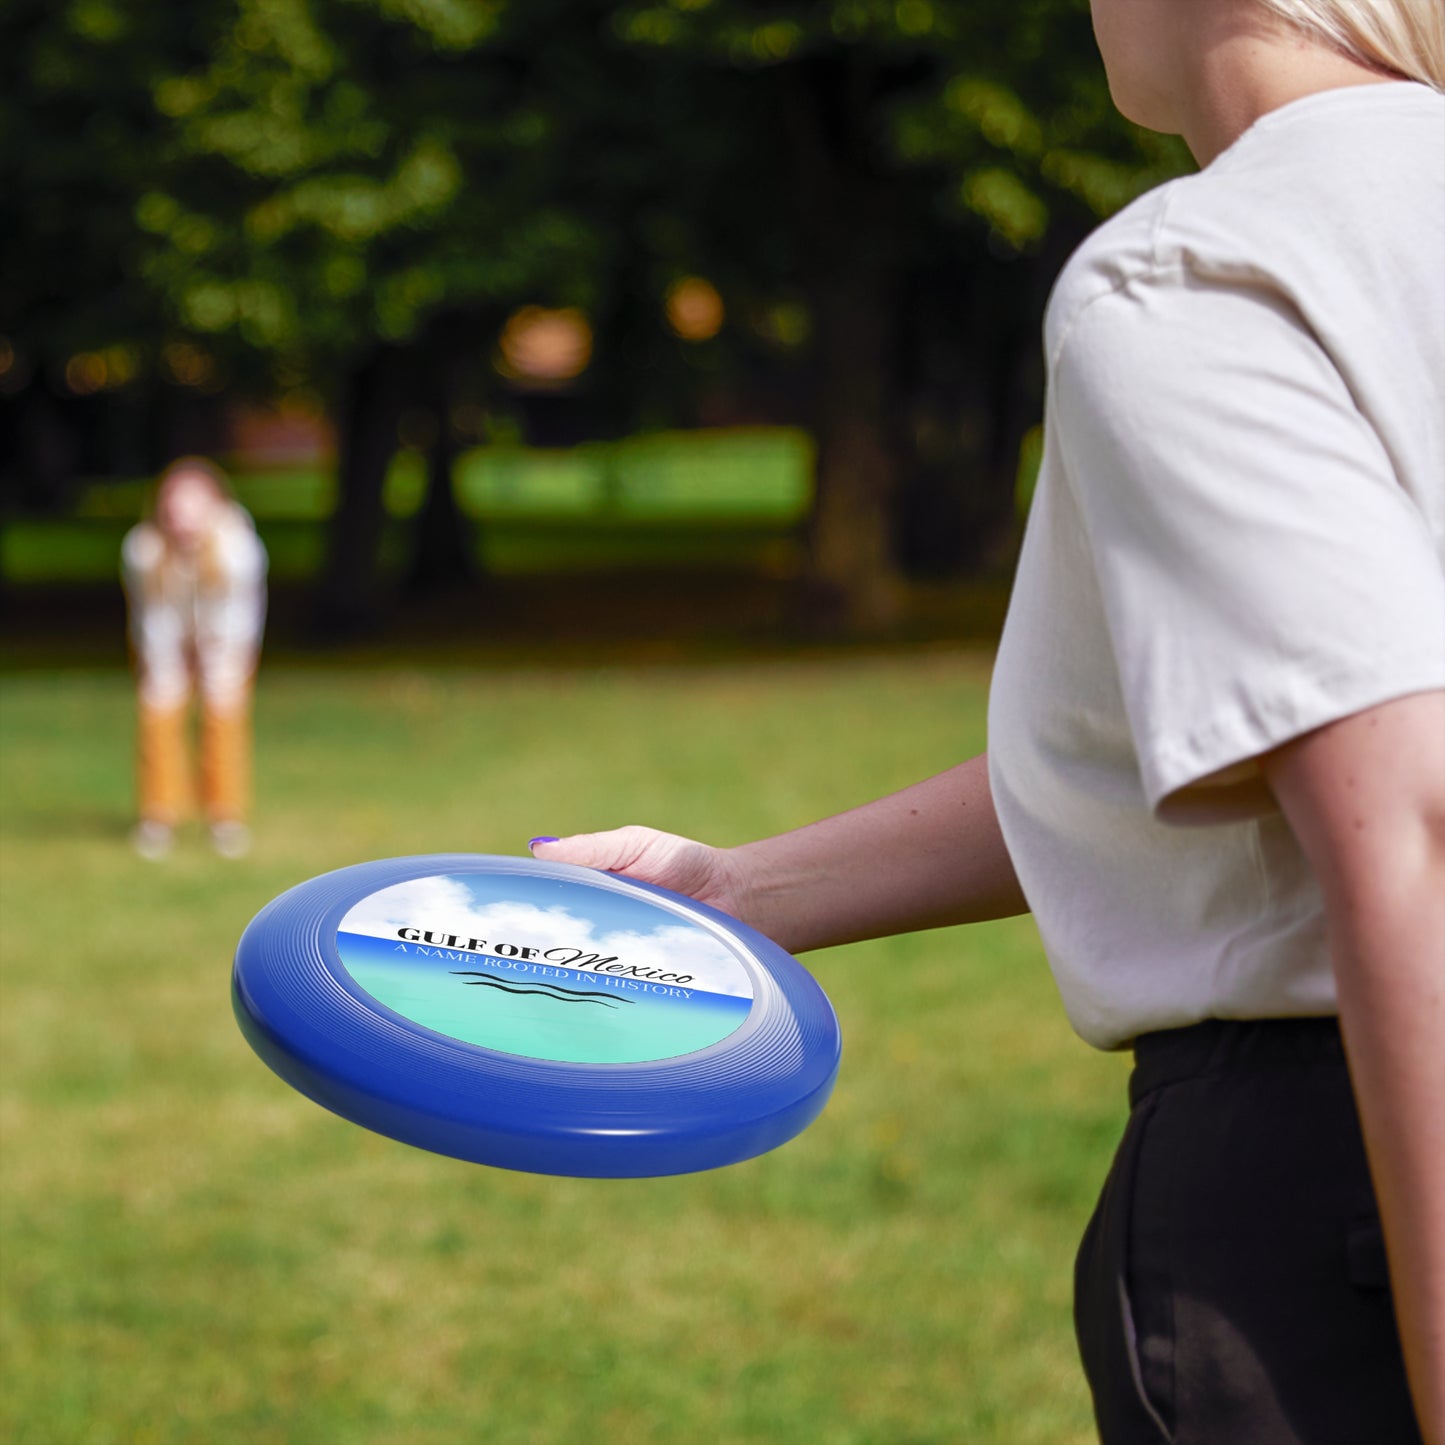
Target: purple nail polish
[[533, 843]]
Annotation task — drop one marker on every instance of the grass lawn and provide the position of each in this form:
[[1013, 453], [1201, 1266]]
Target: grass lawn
[[192, 1252]]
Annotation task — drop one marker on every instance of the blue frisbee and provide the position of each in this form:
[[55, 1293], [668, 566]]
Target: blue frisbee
[[535, 1016]]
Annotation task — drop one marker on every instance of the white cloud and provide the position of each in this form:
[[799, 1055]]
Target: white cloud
[[445, 905]]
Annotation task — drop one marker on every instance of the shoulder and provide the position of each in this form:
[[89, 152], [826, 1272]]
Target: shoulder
[[1197, 231], [1113, 257], [1340, 190]]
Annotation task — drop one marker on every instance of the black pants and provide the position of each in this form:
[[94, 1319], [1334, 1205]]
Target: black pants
[[1231, 1288]]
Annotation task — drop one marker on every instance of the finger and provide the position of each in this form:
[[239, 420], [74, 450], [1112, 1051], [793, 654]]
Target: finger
[[612, 851]]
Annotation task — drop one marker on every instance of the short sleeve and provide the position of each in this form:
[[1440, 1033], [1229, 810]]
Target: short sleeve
[[1262, 569]]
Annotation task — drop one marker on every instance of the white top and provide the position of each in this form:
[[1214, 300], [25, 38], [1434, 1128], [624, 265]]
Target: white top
[[196, 618], [1238, 536]]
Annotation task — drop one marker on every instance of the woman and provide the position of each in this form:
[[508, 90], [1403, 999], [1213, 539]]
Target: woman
[[1217, 759], [195, 583]]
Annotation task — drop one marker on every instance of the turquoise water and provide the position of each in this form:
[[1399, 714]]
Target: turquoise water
[[537, 1011]]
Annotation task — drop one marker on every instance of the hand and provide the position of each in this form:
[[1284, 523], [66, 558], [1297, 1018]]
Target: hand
[[708, 874], [928, 857]]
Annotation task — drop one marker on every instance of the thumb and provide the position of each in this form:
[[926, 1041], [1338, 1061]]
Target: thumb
[[613, 851]]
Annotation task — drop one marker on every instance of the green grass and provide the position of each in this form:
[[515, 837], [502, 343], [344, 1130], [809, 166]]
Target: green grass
[[192, 1252]]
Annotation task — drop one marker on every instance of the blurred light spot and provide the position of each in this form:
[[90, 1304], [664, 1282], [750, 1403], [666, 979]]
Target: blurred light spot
[[193, 235], [95, 20], [448, 24], [647, 27], [1103, 185], [1014, 213], [121, 364], [469, 420], [209, 306], [544, 346], [15, 368], [1031, 460], [86, 373], [301, 403], [776, 41], [406, 482], [344, 273], [913, 17], [180, 95], [251, 36], [527, 127], [695, 311], [429, 177], [186, 364], [1001, 117], [786, 324], [156, 211]]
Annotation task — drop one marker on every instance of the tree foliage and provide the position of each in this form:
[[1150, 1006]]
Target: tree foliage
[[353, 194]]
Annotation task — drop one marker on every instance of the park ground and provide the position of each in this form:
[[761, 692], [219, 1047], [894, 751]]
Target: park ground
[[193, 1253]]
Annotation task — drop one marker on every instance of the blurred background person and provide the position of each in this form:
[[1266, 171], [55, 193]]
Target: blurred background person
[[195, 582]]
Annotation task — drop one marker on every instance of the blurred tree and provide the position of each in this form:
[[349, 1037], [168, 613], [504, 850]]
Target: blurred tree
[[925, 166], [366, 189], [79, 139], [354, 195]]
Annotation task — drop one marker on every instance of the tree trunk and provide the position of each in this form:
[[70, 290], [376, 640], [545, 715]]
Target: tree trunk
[[442, 558], [349, 598], [47, 450], [852, 564], [444, 552], [851, 263]]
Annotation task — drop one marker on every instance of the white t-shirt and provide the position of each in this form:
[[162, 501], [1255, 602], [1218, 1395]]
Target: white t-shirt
[[1238, 536], [196, 619]]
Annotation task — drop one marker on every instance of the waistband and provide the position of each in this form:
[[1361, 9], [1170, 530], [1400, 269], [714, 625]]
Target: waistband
[[1225, 1046]]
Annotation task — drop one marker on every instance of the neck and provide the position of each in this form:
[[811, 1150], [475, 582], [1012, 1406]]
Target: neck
[[1246, 68]]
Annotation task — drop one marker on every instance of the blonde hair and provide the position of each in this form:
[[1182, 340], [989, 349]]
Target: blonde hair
[[193, 465], [1404, 37], [210, 571]]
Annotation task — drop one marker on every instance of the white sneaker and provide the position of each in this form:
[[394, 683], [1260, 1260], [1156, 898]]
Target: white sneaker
[[152, 840], [231, 839]]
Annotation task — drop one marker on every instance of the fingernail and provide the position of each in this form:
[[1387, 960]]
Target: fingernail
[[533, 842]]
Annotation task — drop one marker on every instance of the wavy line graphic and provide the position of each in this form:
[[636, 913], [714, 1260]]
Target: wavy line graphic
[[542, 990]]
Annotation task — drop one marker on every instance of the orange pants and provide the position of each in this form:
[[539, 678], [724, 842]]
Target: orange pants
[[163, 762]]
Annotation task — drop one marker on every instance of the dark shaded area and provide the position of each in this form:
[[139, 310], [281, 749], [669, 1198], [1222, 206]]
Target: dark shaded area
[[580, 620]]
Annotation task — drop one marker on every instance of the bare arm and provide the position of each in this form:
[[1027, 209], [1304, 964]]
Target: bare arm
[[926, 857], [1366, 799]]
